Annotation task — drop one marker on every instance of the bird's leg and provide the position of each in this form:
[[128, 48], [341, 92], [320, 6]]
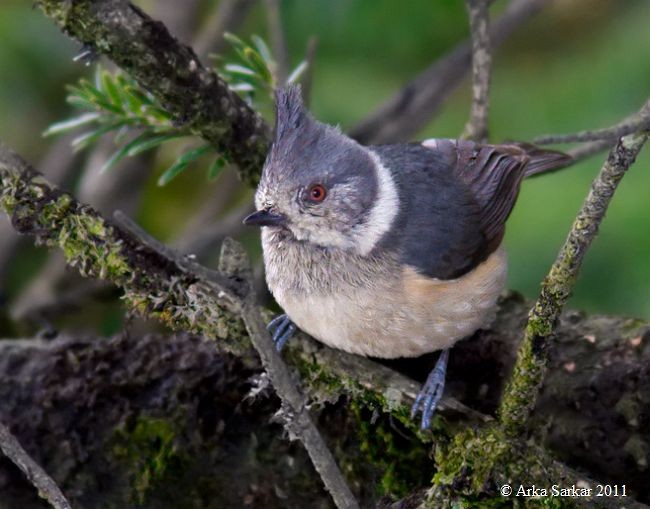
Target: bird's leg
[[281, 329], [431, 392]]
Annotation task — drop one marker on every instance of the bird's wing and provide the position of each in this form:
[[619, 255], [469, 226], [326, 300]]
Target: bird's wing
[[455, 197], [493, 174]]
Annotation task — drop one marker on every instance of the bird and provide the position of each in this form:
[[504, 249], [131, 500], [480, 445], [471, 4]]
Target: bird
[[391, 250]]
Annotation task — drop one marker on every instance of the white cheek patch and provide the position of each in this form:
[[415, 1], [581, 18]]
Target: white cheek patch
[[383, 212], [260, 197]]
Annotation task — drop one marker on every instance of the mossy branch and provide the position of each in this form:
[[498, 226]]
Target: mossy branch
[[197, 97], [522, 391], [167, 289]]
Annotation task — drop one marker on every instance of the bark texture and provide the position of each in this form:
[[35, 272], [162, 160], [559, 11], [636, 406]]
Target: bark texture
[[127, 420]]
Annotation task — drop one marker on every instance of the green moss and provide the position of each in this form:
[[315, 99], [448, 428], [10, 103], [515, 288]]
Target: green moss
[[473, 466], [148, 451], [403, 464], [473, 455]]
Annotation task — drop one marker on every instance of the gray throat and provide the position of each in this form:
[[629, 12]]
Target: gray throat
[[301, 268]]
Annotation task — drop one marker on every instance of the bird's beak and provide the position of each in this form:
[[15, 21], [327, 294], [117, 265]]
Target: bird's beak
[[265, 217]]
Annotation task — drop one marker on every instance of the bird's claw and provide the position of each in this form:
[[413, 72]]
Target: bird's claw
[[429, 396], [281, 329]]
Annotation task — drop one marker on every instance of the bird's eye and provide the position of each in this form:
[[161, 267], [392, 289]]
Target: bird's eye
[[316, 193]]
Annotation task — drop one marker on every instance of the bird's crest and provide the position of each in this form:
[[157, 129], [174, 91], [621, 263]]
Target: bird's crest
[[291, 114]]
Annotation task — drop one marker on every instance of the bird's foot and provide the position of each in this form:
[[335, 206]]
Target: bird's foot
[[431, 392], [281, 329]]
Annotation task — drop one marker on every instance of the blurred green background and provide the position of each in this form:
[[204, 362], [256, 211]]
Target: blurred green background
[[578, 64]]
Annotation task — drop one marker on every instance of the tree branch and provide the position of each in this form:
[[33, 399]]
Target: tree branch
[[234, 263], [223, 293], [47, 488], [172, 72], [522, 391], [171, 290], [409, 110], [294, 412], [479, 20], [638, 122]]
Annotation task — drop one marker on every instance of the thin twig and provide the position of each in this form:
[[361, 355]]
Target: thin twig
[[412, 107], [521, 393], [479, 21], [47, 488], [294, 411], [638, 122], [587, 150], [278, 40], [592, 148]]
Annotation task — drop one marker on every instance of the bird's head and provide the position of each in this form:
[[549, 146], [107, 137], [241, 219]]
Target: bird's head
[[320, 185]]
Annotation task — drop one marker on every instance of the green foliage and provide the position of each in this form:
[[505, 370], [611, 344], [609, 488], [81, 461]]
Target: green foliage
[[115, 104], [256, 70]]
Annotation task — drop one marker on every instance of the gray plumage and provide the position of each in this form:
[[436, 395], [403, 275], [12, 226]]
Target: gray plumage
[[389, 250]]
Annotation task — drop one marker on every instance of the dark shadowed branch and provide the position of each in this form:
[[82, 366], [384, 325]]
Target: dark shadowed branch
[[479, 22], [409, 109], [47, 488], [521, 393]]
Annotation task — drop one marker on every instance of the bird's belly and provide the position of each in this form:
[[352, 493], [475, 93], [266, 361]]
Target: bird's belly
[[413, 316]]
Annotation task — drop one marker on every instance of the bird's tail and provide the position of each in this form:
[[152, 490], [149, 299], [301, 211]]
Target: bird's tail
[[542, 160]]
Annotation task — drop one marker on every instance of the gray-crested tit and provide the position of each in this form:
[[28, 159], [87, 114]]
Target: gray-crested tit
[[390, 250]]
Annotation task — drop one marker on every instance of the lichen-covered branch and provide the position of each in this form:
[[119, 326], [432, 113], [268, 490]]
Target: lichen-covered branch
[[521, 393], [479, 21], [47, 488], [159, 287], [98, 249], [171, 71], [185, 301]]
